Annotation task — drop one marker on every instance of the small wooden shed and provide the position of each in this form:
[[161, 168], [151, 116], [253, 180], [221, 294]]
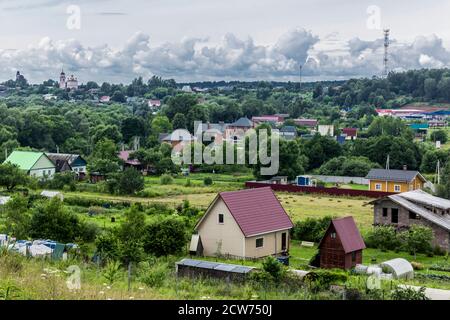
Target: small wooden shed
[[342, 245]]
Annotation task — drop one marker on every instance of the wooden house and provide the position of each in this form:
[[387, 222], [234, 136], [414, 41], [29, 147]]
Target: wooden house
[[342, 245], [35, 164], [395, 180]]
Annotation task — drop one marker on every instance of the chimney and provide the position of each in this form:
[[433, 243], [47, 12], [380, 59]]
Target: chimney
[[405, 167]]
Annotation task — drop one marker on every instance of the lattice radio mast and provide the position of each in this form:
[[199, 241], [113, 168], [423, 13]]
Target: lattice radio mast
[[386, 52]]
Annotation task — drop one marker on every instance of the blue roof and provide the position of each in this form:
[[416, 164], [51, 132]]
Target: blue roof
[[419, 126]]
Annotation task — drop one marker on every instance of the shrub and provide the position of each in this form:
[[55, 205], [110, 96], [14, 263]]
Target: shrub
[[130, 181], [382, 237], [407, 293], [207, 181], [112, 272], [417, 239], [311, 229], [164, 236], [166, 179], [52, 220], [153, 276], [417, 265], [273, 268], [321, 279]]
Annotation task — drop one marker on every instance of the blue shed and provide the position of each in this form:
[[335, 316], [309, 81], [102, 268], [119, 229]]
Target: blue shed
[[304, 181]]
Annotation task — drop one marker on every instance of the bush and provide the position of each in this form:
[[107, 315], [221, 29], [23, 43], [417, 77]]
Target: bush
[[321, 279], [62, 180], [382, 237], [52, 220], [417, 265], [417, 239], [165, 236], [311, 229], [154, 276], [207, 181], [408, 293], [166, 179], [273, 268]]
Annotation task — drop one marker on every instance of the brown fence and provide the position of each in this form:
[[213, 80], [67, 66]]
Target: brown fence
[[321, 190]]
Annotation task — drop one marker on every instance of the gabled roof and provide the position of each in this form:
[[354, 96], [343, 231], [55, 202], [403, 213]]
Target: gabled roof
[[25, 160], [256, 211], [425, 198], [351, 132], [406, 201], [125, 157], [242, 122], [70, 158], [393, 175], [348, 233]]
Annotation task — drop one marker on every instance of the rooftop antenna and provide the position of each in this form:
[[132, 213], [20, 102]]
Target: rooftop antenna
[[387, 163], [386, 52]]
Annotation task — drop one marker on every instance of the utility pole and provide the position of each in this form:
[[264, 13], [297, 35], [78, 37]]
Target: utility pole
[[387, 163], [438, 171]]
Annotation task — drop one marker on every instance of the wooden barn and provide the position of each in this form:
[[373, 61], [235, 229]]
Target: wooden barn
[[342, 245]]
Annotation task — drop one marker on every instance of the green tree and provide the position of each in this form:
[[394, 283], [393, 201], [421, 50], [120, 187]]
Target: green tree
[[52, 220], [179, 121], [439, 135], [418, 239], [165, 236], [12, 176], [17, 217], [131, 181]]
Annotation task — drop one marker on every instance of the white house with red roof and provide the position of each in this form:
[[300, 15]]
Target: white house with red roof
[[247, 223]]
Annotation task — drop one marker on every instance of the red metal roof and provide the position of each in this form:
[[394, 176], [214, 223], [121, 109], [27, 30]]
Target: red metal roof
[[348, 233], [351, 132], [125, 156], [256, 211]]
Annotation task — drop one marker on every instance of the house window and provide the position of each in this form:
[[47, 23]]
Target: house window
[[397, 188], [378, 186], [413, 216], [333, 235], [259, 242], [220, 218], [394, 215], [385, 212]]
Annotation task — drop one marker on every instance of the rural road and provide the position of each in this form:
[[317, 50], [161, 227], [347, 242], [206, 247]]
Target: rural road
[[434, 294]]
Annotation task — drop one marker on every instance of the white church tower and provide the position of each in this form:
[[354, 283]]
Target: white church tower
[[62, 80]]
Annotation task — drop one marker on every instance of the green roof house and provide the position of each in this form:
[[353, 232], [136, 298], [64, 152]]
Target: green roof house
[[36, 164]]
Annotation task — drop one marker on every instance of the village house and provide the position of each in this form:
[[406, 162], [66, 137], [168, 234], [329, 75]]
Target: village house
[[387, 180], [288, 132], [68, 162], [128, 161], [246, 224], [416, 207], [350, 133], [272, 119], [308, 123], [342, 245], [35, 164], [326, 130], [235, 131]]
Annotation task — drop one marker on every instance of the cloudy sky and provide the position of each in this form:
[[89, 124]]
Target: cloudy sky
[[190, 40]]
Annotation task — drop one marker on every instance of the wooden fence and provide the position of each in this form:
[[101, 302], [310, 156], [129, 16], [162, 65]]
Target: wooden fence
[[318, 190]]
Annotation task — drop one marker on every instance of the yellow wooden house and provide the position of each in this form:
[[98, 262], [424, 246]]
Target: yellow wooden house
[[384, 180]]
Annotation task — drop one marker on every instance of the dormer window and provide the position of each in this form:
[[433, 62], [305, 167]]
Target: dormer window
[[220, 218], [333, 235]]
